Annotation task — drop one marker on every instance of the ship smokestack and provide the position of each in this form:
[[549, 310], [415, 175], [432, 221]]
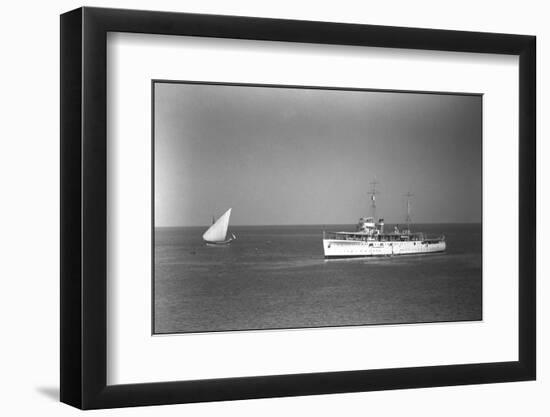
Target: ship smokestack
[[381, 225]]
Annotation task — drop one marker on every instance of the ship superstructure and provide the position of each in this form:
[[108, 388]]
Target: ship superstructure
[[370, 238]]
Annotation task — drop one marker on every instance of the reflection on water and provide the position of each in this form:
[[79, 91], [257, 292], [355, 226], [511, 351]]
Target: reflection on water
[[277, 277]]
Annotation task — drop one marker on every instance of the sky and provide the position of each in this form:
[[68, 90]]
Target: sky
[[280, 156]]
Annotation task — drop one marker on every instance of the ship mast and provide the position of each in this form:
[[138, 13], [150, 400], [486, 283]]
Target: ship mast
[[373, 191], [408, 219]]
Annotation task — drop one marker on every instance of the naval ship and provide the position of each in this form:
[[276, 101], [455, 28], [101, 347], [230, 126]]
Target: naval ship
[[370, 239]]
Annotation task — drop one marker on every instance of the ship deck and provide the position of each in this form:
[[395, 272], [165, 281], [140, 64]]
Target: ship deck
[[382, 237]]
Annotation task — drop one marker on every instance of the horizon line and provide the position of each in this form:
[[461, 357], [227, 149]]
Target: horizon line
[[314, 224]]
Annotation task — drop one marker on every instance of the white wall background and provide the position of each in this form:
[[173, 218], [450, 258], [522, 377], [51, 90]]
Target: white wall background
[[29, 175]]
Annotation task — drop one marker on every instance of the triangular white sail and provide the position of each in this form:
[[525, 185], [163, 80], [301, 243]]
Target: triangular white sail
[[218, 231]]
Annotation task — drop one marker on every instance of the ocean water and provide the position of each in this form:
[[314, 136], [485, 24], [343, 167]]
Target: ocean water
[[275, 277]]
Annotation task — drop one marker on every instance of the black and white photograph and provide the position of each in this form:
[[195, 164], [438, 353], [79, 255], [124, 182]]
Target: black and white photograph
[[288, 207], [273, 205], [281, 208]]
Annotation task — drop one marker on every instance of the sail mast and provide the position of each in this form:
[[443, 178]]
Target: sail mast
[[373, 192], [408, 219]]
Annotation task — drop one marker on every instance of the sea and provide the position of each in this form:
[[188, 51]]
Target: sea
[[276, 277]]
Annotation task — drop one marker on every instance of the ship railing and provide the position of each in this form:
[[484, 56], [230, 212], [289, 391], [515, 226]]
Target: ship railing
[[386, 236], [344, 236], [433, 238]]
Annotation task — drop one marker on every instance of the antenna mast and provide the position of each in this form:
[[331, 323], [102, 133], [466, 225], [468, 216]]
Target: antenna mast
[[373, 192], [408, 219]]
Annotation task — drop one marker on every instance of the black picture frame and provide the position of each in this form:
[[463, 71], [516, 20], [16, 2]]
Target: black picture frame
[[84, 208]]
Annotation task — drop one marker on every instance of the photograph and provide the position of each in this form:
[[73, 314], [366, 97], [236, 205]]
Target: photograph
[[301, 205], [291, 207]]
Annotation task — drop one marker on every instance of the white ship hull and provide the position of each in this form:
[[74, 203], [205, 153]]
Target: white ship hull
[[339, 248]]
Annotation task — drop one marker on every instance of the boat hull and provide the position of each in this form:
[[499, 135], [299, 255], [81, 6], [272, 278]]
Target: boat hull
[[224, 243], [221, 243], [337, 248]]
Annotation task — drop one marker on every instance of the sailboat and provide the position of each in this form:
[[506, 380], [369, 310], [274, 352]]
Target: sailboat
[[217, 232]]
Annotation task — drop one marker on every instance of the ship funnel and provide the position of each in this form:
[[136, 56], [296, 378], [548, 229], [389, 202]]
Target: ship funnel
[[381, 225]]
